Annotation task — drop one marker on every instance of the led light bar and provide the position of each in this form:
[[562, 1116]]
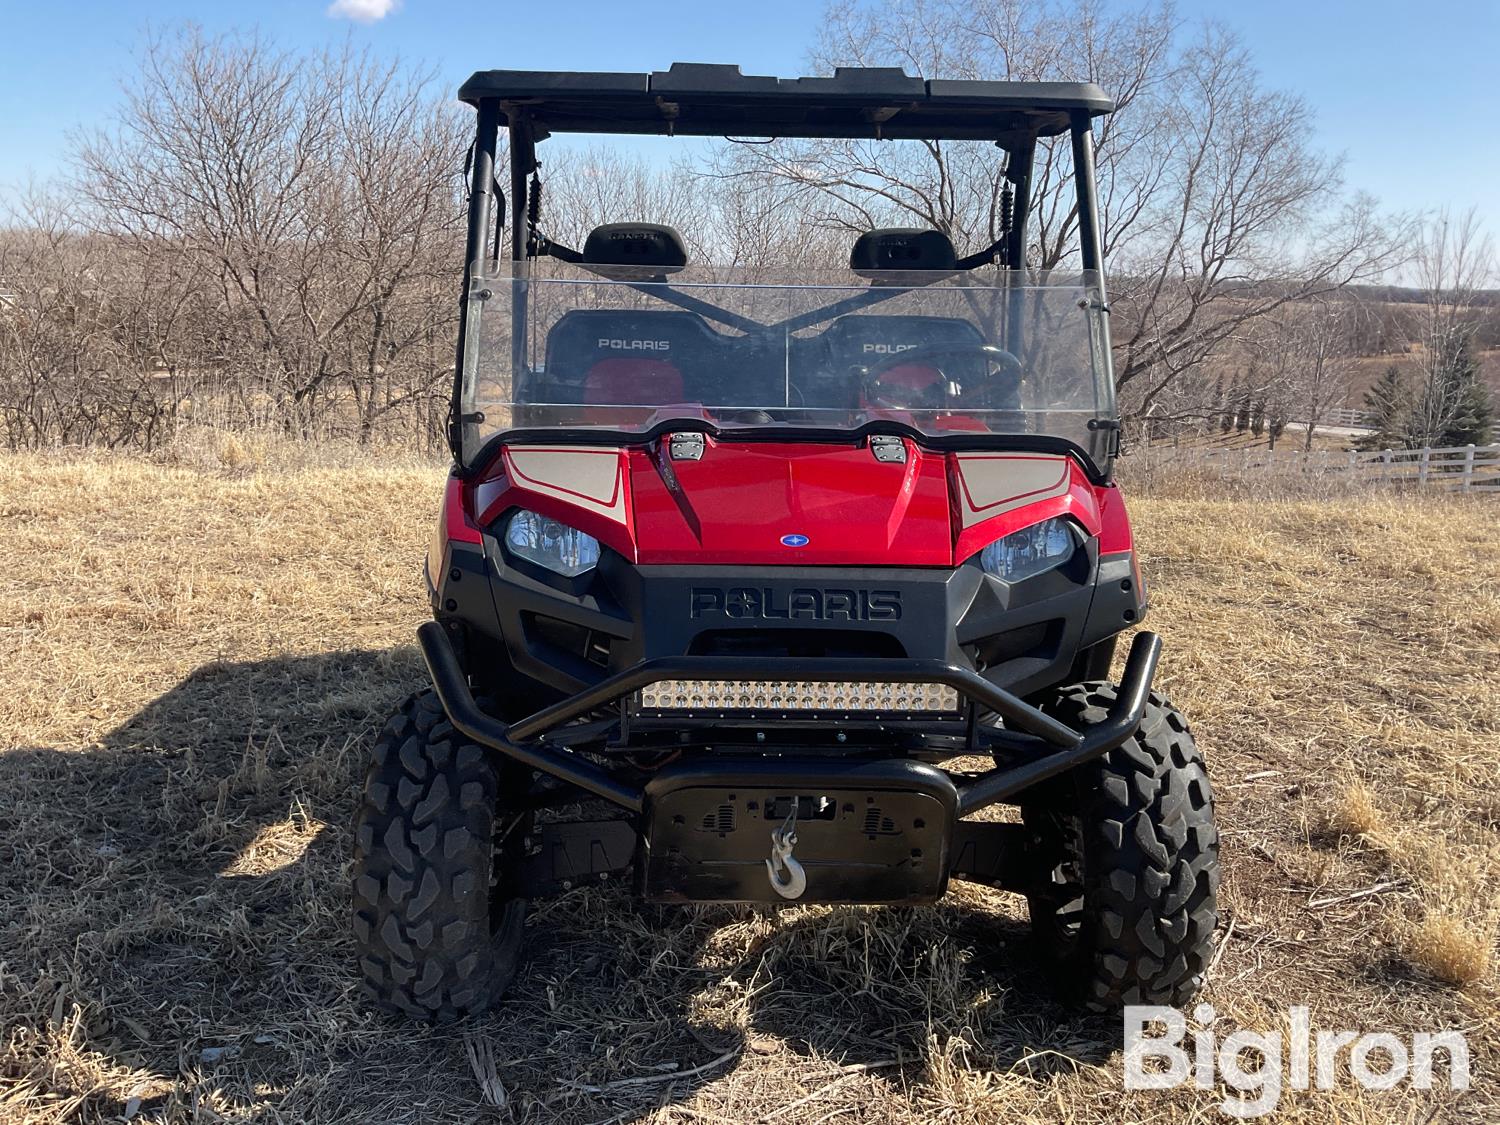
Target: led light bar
[[793, 695]]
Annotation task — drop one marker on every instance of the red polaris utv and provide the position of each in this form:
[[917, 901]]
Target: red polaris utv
[[758, 585]]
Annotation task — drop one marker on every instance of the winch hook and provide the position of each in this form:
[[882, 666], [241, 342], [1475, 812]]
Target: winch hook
[[788, 879]]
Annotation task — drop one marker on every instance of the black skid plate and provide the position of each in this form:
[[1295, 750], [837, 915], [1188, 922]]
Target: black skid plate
[[872, 831]]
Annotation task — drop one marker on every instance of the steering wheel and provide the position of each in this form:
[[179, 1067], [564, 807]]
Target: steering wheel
[[997, 359]]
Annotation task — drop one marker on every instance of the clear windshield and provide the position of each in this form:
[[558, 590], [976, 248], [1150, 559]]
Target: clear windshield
[[572, 349]]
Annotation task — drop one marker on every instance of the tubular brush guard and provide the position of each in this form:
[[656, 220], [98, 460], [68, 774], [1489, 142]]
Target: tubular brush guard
[[521, 740]]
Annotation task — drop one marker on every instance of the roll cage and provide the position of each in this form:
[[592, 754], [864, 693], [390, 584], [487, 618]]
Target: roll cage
[[694, 99]]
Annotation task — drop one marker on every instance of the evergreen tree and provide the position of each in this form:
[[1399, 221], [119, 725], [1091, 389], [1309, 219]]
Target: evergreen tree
[[1243, 383], [1389, 404], [1470, 418], [1474, 421], [1216, 412], [1242, 412], [1276, 423]]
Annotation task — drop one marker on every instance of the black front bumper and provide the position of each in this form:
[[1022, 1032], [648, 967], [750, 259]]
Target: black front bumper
[[867, 831], [686, 852]]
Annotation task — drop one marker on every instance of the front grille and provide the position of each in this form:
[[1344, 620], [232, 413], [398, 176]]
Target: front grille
[[795, 695]]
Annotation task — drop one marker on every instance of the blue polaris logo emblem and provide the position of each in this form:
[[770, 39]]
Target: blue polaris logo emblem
[[794, 541]]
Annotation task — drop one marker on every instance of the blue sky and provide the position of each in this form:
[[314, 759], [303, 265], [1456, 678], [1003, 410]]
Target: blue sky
[[1404, 90]]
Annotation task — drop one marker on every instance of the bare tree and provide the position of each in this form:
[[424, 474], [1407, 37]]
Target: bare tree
[[585, 187], [1453, 262], [1217, 211], [316, 203], [76, 323], [749, 220], [957, 186], [1307, 351], [1246, 222], [272, 239]]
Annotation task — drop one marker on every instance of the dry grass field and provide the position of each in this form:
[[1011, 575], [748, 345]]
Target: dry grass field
[[196, 652]]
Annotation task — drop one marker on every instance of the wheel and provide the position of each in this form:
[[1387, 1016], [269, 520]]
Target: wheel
[[1125, 901], [437, 916]]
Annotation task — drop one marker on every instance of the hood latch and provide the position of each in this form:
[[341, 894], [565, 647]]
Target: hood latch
[[685, 447], [888, 448]]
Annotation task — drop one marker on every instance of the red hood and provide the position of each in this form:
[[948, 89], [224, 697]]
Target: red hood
[[792, 503]]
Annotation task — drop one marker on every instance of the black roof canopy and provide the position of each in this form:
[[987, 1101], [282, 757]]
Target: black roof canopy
[[704, 99]]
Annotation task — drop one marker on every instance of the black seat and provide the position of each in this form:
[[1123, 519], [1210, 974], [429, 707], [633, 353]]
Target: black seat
[[626, 357], [630, 357], [831, 366]]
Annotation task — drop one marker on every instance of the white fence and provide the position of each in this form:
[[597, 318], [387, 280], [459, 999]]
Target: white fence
[[1465, 468], [1347, 418]]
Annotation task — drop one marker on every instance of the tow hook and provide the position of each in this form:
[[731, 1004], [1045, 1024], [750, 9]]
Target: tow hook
[[788, 879]]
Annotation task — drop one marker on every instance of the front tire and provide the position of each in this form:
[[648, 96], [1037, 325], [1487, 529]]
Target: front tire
[[437, 917], [1126, 898]]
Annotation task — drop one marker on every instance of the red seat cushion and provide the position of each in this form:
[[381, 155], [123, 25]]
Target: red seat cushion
[[962, 422], [913, 376], [632, 381]]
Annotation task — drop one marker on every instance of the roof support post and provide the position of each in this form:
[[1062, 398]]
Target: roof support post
[[1090, 239], [463, 433], [522, 164], [1018, 171], [1106, 440]]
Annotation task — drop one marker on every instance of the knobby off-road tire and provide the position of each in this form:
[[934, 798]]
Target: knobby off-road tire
[[437, 920], [1128, 859]]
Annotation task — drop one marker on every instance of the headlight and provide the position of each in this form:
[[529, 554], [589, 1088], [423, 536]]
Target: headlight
[[1031, 551], [561, 549]]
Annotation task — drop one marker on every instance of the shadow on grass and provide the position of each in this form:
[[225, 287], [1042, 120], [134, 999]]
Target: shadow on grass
[[174, 928]]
